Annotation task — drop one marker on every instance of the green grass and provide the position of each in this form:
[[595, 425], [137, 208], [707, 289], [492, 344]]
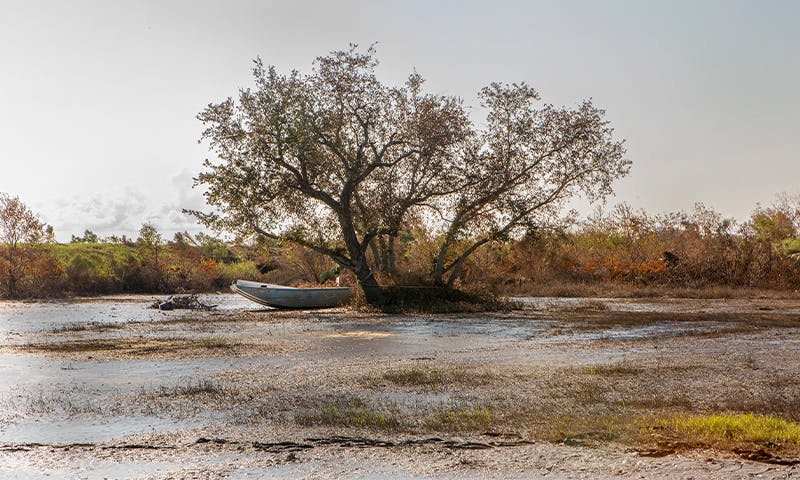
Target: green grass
[[95, 259], [351, 412], [727, 428], [431, 377], [460, 418]]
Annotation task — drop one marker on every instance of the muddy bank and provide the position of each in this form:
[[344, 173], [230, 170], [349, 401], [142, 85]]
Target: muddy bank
[[559, 389]]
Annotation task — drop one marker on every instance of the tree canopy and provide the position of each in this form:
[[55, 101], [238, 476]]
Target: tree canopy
[[338, 162], [20, 229]]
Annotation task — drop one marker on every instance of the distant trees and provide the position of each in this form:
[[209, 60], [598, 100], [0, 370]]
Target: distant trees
[[614, 248], [337, 162], [21, 233], [88, 237], [149, 240]]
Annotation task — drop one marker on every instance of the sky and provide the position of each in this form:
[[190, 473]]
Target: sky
[[98, 99]]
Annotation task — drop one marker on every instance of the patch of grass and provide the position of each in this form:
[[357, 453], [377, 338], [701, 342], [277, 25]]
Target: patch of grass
[[76, 346], [592, 427], [730, 429], [61, 401], [589, 306], [216, 342], [416, 376], [200, 387], [70, 327], [352, 412], [662, 401], [82, 327], [431, 377], [137, 347], [460, 418], [613, 369]]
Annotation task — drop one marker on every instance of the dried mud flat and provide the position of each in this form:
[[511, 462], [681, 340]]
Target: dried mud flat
[[563, 388]]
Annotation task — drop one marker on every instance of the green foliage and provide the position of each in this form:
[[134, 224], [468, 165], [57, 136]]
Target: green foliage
[[791, 246], [91, 268], [228, 272], [149, 236], [88, 237], [772, 226], [215, 248], [95, 268]]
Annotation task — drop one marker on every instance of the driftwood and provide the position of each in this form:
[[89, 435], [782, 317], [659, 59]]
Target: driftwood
[[181, 302]]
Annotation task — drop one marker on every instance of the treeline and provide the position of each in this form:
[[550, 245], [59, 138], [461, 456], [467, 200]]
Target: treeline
[[621, 247], [699, 249], [33, 265], [90, 265]]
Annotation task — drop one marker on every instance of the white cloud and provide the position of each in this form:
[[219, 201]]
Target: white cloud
[[122, 212]]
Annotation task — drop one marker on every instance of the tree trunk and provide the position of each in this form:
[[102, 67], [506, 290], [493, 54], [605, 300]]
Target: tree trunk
[[370, 287], [438, 272], [358, 256], [12, 285], [12, 278], [376, 250], [391, 259], [456, 271]]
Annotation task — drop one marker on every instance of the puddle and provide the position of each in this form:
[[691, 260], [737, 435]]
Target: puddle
[[88, 429], [667, 305], [661, 329], [95, 468], [363, 469], [20, 469], [19, 372], [34, 317]]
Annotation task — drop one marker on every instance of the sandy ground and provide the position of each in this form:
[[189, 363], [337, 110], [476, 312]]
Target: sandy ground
[[560, 389]]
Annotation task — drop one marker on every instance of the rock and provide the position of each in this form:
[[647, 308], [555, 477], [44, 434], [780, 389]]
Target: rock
[[168, 305]]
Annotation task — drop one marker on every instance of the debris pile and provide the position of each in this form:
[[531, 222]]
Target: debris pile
[[181, 302]]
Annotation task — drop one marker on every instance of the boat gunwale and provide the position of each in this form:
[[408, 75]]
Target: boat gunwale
[[337, 291], [284, 287]]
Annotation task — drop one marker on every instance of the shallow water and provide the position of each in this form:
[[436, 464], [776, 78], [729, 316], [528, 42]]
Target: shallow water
[[94, 470], [668, 305], [335, 338], [88, 391], [44, 316], [88, 428]]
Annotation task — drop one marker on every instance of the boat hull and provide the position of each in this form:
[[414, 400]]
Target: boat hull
[[280, 296]]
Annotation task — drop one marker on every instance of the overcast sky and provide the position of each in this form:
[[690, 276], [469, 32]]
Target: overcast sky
[[98, 98]]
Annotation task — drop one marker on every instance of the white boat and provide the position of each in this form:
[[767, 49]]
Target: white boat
[[281, 296]]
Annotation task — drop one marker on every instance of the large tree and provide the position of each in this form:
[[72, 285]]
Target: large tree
[[329, 160], [338, 162]]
